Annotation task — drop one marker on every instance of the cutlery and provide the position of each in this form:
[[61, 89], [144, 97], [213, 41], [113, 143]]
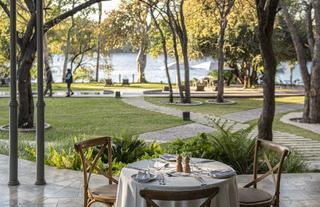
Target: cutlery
[[161, 180], [201, 180]]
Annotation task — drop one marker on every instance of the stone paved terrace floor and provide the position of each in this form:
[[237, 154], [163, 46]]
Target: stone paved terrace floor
[[64, 188]]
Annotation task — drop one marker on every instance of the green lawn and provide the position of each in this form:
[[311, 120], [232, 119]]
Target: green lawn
[[246, 104], [88, 117], [218, 110], [282, 127], [212, 109]]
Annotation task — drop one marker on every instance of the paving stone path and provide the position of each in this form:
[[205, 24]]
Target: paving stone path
[[308, 148], [249, 115], [203, 122], [183, 131]]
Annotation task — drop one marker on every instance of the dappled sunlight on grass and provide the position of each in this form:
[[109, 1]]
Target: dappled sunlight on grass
[[213, 109], [88, 117]]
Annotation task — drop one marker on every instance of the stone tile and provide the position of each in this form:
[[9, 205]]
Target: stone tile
[[297, 190]]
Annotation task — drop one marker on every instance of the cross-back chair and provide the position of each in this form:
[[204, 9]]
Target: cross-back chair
[[151, 195], [91, 154], [249, 195]]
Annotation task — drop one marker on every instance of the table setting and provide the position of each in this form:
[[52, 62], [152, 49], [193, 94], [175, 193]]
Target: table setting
[[177, 173]]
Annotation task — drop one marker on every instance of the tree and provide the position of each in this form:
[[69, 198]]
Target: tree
[[68, 45], [164, 47], [315, 74], [98, 41], [27, 44], [224, 8], [4, 47], [175, 12], [175, 33], [311, 80], [266, 11], [82, 43], [129, 25]]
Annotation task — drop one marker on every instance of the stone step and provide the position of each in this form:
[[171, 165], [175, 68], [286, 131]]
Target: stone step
[[293, 139], [302, 145], [300, 141]]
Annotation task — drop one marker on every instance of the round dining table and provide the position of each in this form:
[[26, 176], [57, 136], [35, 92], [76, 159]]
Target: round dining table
[[128, 194]]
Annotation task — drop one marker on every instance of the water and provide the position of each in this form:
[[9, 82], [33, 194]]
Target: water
[[124, 64]]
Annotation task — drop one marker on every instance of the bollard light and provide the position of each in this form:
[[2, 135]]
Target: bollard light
[[186, 116]]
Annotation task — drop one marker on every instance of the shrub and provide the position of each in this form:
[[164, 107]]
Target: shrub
[[199, 146], [234, 148], [127, 149], [293, 164]]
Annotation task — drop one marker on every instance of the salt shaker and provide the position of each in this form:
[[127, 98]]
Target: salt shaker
[[179, 163]]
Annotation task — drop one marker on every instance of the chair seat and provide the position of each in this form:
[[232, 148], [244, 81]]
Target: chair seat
[[105, 193], [253, 196]]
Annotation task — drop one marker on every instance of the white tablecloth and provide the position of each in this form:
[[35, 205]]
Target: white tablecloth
[[128, 189]]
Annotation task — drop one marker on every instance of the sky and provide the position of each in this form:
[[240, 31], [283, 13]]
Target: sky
[[109, 5]]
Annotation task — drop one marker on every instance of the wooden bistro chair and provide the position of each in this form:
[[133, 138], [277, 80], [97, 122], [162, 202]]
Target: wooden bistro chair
[[150, 195], [91, 152], [249, 195]]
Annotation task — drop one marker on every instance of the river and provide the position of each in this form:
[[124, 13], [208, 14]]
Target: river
[[124, 65]]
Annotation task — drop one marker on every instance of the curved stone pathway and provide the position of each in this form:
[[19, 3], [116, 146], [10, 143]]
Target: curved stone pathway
[[196, 117], [308, 148], [315, 128], [253, 114]]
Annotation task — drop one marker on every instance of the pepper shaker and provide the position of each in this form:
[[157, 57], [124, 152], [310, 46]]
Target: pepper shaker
[[186, 166]]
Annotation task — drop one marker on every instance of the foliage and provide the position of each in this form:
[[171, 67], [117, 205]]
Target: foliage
[[126, 25], [83, 74], [234, 148], [293, 164], [128, 149], [199, 146], [4, 46], [65, 157]]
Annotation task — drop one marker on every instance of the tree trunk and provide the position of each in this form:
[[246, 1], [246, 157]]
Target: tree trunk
[[184, 46], [223, 25], [315, 74], [98, 43], [48, 72], [309, 24], [266, 17], [67, 49], [66, 52], [26, 104], [301, 57], [176, 56], [187, 98], [142, 61], [165, 55]]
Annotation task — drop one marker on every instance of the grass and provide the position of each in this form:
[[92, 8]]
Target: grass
[[287, 128], [212, 109], [89, 117], [247, 104], [97, 86], [219, 110]]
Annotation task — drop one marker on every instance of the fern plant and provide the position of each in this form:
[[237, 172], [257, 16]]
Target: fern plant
[[235, 148]]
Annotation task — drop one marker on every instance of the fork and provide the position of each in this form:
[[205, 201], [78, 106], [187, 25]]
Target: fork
[[161, 179], [201, 180]]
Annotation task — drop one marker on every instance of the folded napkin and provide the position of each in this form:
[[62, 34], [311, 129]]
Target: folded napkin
[[144, 177], [221, 174]]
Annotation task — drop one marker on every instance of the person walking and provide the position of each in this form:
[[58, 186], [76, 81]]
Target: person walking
[[49, 80], [69, 80]]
